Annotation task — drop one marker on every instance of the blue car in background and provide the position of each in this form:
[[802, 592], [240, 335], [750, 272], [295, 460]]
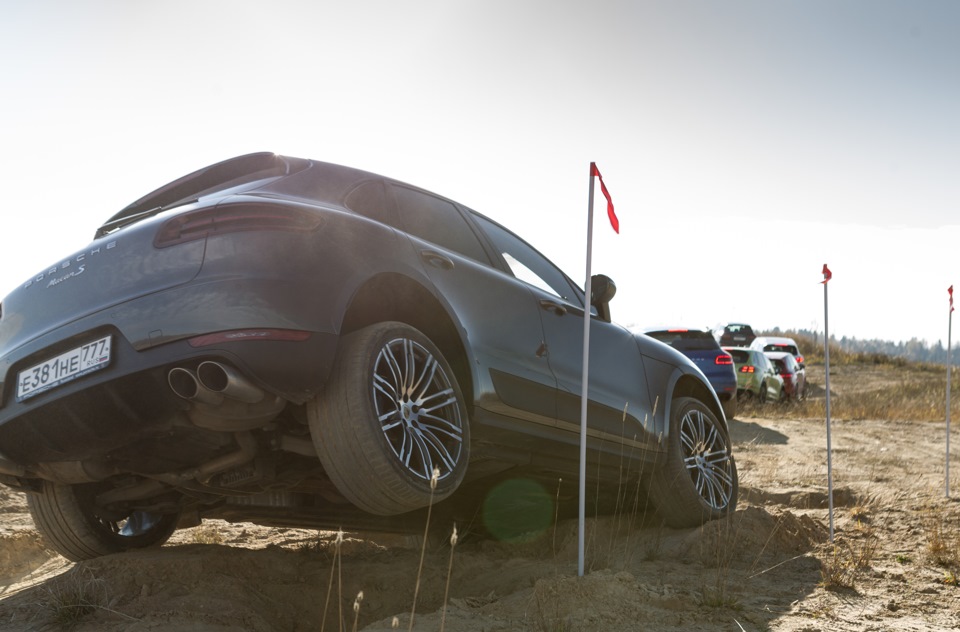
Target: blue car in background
[[717, 365]]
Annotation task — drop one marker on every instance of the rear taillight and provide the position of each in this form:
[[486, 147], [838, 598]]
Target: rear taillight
[[724, 359], [799, 359], [747, 369], [231, 219]]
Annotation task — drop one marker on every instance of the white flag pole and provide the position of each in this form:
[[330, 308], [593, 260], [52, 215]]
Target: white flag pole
[[949, 376], [826, 365], [583, 389]]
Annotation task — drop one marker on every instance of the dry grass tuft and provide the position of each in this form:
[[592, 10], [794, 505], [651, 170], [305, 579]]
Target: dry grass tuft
[[207, 534], [943, 541], [848, 558], [72, 598]]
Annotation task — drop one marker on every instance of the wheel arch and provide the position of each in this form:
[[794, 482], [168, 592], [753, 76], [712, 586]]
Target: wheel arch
[[392, 296], [688, 385]]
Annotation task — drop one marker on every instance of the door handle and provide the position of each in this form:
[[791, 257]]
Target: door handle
[[436, 259], [552, 306]]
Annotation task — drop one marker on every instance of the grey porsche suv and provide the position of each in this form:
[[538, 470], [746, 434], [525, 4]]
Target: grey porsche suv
[[294, 343]]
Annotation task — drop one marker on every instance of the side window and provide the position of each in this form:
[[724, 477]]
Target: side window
[[370, 200], [437, 221], [527, 264]]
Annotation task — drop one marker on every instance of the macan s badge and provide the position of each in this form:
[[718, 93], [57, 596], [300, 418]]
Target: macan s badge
[[76, 267]]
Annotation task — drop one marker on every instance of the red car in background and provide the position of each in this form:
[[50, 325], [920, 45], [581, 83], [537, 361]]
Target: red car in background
[[793, 373]]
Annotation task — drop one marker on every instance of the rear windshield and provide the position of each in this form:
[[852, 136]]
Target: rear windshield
[[686, 340], [792, 350], [739, 356]]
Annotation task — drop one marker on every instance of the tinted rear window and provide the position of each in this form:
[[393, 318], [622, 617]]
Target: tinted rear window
[[438, 221], [686, 340], [739, 356], [787, 348]]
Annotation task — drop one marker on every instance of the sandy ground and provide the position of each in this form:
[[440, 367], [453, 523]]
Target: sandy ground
[[770, 566]]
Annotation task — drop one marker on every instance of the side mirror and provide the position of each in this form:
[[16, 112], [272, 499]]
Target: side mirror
[[602, 289]]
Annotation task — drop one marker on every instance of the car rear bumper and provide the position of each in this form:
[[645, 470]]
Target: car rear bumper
[[131, 397]]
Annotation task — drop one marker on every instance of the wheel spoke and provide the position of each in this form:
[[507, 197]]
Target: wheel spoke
[[409, 367], [444, 425], [423, 449], [426, 377], [450, 398], [392, 364], [386, 388], [389, 426], [431, 441]]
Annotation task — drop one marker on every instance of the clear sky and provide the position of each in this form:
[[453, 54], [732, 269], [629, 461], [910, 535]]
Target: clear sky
[[745, 143]]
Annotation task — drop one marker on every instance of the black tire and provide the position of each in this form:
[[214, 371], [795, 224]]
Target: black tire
[[375, 441], [762, 393], [698, 480], [70, 522]]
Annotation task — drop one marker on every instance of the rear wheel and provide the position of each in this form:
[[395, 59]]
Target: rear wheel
[[73, 524], [762, 394], [392, 413], [698, 481]]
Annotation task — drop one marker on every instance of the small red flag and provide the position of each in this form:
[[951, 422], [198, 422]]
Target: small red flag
[[950, 291], [827, 275], [610, 214]]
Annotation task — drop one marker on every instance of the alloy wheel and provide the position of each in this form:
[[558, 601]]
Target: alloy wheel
[[706, 457], [416, 405]]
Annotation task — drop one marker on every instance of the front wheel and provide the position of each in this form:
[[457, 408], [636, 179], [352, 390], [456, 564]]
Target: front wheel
[[698, 480], [391, 415], [71, 522]]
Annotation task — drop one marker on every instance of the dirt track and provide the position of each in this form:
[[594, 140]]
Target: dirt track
[[762, 569]]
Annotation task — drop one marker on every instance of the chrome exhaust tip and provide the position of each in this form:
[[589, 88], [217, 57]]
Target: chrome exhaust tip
[[227, 381], [185, 384]]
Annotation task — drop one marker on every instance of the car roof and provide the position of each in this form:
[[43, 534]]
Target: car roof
[[775, 340]]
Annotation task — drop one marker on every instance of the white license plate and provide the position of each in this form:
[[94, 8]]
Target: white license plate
[[63, 368]]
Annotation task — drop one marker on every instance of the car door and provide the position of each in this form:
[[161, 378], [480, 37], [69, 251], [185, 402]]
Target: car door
[[619, 407], [497, 312], [770, 377]]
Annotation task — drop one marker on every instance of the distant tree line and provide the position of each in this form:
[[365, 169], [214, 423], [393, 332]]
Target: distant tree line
[[914, 350]]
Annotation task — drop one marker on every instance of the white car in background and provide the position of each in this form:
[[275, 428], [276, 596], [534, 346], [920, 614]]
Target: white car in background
[[778, 343]]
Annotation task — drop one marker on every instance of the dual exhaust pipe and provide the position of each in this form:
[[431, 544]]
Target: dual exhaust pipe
[[222, 398], [212, 383]]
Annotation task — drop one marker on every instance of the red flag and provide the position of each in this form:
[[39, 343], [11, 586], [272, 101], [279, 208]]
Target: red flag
[[827, 275], [610, 214], [950, 291]]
